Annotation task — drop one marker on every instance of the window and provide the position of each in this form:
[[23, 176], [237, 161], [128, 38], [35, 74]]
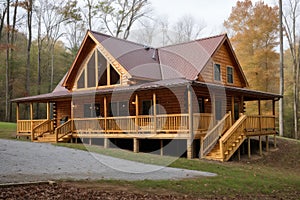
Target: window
[[119, 108], [95, 72], [91, 75], [229, 75], [147, 107], [217, 72], [102, 71], [201, 105], [91, 110], [218, 109]]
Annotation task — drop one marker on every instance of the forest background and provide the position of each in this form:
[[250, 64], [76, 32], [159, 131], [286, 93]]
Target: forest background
[[40, 38]]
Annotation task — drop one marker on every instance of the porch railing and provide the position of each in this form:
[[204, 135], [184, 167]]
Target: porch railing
[[259, 123], [202, 121], [141, 124], [212, 136], [26, 126], [64, 129], [40, 129]]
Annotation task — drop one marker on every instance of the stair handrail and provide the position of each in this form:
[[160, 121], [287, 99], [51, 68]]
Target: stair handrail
[[230, 133], [64, 129], [212, 136], [42, 128]]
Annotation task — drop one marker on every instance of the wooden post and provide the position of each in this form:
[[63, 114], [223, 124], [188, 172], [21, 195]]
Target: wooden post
[[136, 114], [273, 110], [239, 153], [108, 73], [213, 107], [105, 115], [31, 119], [232, 109], [18, 112], [154, 113], [106, 143], [267, 143], [161, 147], [190, 146], [260, 119], [249, 147], [260, 145], [48, 110], [18, 116], [136, 145], [275, 142]]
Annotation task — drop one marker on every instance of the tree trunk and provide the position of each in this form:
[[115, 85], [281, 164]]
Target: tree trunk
[[29, 22], [281, 69], [7, 67]]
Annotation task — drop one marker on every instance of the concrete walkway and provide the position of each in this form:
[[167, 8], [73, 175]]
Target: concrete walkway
[[27, 161]]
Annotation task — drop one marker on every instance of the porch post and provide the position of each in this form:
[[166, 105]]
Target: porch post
[[267, 143], [260, 145], [18, 116], [232, 109], [106, 140], [161, 147], [18, 112], [190, 146], [249, 147], [213, 107], [274, 121], [48, 110], [105, 114], [31, 120], [154, 113], [136, 114], [260, 119], [136, 145]]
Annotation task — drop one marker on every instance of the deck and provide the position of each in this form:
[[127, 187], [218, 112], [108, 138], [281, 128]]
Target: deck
[[219, 139]]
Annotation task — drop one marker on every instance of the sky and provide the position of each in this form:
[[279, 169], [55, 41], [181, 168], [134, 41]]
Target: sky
[[212, 12]]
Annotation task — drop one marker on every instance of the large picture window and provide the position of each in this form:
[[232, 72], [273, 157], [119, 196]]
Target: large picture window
[[97, 71]]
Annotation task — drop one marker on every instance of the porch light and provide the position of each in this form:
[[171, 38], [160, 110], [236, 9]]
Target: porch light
[[206, 99]]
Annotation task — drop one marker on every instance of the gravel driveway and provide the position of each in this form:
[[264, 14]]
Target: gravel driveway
[[27, 161]]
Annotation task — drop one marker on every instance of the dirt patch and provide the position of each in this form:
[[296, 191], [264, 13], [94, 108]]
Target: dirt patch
[[285, 157]]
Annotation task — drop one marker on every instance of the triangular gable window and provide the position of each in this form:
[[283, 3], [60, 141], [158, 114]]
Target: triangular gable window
[[97, 68]]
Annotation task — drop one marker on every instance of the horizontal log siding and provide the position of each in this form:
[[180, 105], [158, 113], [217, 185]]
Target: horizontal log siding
[[224, 58], [63, 109]]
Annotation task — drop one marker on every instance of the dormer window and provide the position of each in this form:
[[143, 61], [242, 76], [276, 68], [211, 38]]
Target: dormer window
[[217, 72]]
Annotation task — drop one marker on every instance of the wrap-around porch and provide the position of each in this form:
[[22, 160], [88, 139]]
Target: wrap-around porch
[[198, 121]]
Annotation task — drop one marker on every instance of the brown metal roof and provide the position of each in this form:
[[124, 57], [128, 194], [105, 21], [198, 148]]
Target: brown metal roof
[[188, 59]]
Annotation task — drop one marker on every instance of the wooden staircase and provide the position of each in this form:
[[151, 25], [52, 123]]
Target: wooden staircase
[[51, 138], [229, 142]]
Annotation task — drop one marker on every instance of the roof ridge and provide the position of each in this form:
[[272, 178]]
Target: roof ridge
[[197, 40], [124, 40]]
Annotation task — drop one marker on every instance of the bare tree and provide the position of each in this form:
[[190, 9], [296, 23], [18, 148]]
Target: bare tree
[[291, 16], [187, 29], [119, 16], [74, 24]]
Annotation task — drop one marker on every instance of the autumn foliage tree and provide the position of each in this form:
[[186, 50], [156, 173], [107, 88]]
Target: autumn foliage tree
[[254, 31]]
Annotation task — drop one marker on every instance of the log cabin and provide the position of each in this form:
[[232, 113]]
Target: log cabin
[[187, 98]]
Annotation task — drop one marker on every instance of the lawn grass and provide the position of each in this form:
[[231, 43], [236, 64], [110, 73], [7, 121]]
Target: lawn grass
[[8, 130], [234, 178]]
